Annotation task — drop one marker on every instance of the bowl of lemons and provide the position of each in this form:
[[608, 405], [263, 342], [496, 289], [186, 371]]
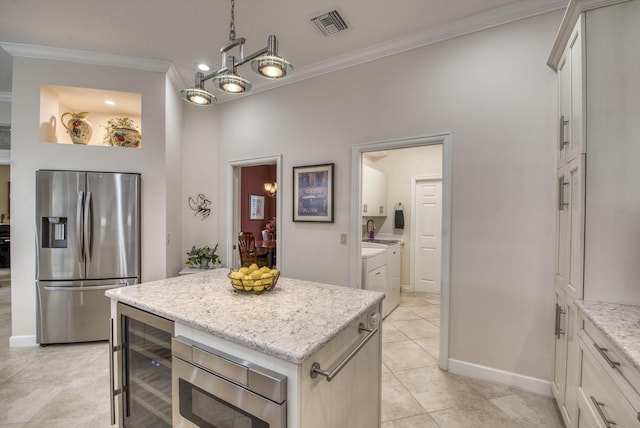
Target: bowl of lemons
[[253, 279]]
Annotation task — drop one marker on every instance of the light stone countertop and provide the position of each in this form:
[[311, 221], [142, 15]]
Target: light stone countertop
[[290, 322], [619, 323]]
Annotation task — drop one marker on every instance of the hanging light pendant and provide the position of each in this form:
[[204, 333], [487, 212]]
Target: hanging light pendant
[[230, 81], [265, 62], [198, 95], [271, 65]]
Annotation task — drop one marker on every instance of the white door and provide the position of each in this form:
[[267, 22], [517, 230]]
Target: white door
[[427, 236]]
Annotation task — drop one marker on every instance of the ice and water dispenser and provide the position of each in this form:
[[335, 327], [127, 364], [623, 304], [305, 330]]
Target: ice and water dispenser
[[54, 232]]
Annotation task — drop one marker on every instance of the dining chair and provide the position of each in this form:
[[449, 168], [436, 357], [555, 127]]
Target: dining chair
[[249, 254]]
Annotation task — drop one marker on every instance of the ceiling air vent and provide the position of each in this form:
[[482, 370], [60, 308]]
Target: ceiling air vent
[[329, 23]]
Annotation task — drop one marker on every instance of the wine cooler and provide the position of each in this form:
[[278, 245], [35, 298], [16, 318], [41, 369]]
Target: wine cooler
[[144, 369]]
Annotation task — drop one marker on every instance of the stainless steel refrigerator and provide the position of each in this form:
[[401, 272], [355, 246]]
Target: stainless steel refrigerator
[[88, 241]]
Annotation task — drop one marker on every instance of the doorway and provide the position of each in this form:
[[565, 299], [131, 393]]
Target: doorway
[[252, 207], [358, 152], [426, 234]]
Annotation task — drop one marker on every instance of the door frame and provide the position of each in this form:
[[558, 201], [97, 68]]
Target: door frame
[[233, 203], [355, 265], [414, 242]]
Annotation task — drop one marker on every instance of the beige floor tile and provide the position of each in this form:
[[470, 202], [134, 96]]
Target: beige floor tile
[[427, 311], [414, 299], [391, 334], [477, 414], [435, 389], [406, 355], [397, 402], [487, 389], [21, 400], [530, 409], [420, 421], [417, 329], [402, 313], [431, 345]]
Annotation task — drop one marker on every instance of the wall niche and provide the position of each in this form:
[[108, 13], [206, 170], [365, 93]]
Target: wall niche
[[105, 111]]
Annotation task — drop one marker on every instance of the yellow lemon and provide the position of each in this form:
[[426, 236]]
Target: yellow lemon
[[266, 278], [257, 283], [244, 270], [256, 275], [248, 287], [253, 268], [258, 288], [265, 269], [274, 272], [236, 275]]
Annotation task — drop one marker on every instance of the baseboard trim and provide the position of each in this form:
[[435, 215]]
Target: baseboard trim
[[23, 341], [527, 383]]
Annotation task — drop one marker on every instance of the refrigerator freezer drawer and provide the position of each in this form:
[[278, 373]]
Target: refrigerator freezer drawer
[[74, 311]]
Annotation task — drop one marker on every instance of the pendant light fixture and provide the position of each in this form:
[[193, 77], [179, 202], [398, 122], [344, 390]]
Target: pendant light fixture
[[265, 62]]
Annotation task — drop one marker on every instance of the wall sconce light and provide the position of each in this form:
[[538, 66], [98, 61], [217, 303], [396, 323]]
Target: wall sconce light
[[271, 189]]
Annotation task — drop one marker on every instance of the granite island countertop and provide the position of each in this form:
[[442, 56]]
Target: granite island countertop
[[619, 323], [290, 322]]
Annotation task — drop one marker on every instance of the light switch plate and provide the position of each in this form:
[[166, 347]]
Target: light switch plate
[[343, 239]]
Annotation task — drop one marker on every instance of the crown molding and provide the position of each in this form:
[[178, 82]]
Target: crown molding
[[6, 96], [482, 21], [85, 57]]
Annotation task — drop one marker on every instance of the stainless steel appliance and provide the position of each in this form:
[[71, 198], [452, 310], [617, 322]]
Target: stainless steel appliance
[[144, 369], [88, 240], [214, 389]]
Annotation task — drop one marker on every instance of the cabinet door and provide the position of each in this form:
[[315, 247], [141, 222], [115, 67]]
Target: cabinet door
[[558, 385], [570, 228], [570, 94], [374, 192]]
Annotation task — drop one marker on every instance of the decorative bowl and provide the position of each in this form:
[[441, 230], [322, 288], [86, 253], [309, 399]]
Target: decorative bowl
[[247, 283]]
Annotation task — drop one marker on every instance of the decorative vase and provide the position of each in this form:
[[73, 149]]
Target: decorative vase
[[204, 264], [78, 127], [125, 137]]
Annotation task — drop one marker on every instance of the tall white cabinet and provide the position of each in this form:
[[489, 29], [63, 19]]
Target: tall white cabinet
[[597, 59]]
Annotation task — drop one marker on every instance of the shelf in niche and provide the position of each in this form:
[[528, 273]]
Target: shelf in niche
[[57, 100]]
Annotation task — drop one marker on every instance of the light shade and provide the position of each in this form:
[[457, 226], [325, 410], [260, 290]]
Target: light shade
[[198, 96], [232, 83], [271, 66], [271, 189]]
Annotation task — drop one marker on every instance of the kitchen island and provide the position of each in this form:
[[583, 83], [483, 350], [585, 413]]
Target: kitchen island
[[287, 331]]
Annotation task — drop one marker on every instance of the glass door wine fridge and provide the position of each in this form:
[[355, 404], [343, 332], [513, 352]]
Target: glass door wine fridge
[[143, 369]]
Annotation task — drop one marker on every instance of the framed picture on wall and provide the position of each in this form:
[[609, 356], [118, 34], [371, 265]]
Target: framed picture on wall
[[313, 193], [256, 207]]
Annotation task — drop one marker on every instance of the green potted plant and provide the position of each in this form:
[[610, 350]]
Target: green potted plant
[[201, 256]]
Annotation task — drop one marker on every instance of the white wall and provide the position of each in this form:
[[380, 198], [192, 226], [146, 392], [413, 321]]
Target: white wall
[[28, 155], [173, 165], [201, 174], [493, 91]]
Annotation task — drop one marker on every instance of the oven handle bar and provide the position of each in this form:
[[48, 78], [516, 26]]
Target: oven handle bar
[[315, 367]]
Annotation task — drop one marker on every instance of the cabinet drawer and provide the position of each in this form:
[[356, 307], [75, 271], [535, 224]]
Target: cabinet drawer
[[599, 396], [614, 364]]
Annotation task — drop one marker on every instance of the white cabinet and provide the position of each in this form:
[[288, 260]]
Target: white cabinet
[[374, 192], [570, 92], [608, 389], [381, 269], [597, 246]]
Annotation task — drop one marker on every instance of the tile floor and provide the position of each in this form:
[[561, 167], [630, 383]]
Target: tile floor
[[68, 385]]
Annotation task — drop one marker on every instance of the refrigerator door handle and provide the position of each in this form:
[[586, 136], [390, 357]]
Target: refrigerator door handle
[[88, 288], [88, 227], [79, 237]]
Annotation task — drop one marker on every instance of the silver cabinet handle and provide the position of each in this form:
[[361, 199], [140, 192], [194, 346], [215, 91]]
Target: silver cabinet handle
[[315, 367], [603, 352], [561, 187], [559, 313], [381, 209], [364, 208], [112, 389], [563, 123], [599, 407]]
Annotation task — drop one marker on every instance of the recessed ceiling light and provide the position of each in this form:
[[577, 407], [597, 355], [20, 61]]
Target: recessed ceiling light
[[203, 67], [110, 102]]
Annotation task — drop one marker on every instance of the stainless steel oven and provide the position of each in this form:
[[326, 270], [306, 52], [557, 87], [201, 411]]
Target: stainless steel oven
[[212, 389]]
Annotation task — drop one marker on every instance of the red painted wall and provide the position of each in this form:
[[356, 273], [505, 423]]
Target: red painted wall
[[252, 181]]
